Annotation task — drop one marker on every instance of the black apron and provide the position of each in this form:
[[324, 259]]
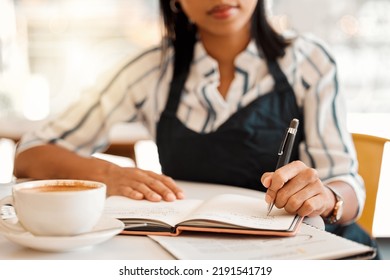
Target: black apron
[[241, 149]]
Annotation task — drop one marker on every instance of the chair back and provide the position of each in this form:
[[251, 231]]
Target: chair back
[[369, 151]]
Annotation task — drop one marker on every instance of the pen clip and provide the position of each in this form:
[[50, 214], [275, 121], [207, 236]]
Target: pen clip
[[281, 149]]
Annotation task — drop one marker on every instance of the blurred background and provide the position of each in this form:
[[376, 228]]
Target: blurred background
[[50, 50]]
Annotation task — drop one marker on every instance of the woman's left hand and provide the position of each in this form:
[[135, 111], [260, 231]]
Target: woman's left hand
[[298, 189]]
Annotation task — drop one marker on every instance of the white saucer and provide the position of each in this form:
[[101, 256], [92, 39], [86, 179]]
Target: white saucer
[[106, 228]]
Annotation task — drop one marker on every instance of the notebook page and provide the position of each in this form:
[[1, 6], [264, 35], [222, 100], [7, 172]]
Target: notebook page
[[243, 211], [170, 213]]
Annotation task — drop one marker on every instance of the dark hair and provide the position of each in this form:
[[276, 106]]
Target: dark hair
[[182, 34]]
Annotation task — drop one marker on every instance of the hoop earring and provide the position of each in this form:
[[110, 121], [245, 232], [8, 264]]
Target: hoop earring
[[173, 6]]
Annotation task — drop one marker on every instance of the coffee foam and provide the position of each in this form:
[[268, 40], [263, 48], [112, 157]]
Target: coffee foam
[[71, 187]]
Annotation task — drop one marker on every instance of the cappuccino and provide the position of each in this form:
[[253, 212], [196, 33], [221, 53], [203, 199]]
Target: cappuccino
[[55, 207], [61, 188]]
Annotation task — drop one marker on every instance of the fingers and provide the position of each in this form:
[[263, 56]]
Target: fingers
[[143, 189], [142, 184], [301, 187], [131, 193], [309, 201], [274, 181], [166, 186], [266, 180], [296, 188]]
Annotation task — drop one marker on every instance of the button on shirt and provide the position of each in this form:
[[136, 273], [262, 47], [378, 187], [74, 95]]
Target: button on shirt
[[137, 90]]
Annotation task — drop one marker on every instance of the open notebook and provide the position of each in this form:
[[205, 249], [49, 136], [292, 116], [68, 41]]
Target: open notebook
[[226, 213]]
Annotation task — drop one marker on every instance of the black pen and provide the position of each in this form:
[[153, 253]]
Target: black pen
[[285, 149]]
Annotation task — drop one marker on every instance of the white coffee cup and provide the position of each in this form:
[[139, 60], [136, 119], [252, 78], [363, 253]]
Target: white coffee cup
[[55, 207]]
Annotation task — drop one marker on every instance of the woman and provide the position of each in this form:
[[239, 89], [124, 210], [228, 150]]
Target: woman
[[217, 96]]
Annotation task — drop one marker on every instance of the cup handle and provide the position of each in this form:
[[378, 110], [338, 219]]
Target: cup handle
[[7, 225]]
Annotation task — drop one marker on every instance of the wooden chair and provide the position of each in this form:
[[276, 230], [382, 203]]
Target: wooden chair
[[369, 153]]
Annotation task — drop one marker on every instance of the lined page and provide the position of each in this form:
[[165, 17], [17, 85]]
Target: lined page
[[170, 213], [243, 211]]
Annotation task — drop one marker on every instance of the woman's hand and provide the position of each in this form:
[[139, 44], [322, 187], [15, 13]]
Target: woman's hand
[[298, 189], [139, 184], [53, 161]]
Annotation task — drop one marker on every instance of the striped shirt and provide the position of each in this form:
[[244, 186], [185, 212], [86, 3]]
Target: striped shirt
[[137, 90]]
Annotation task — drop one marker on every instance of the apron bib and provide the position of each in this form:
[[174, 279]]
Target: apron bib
[[241, 149]]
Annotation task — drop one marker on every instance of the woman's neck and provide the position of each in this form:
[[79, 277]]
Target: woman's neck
[[224, 49]]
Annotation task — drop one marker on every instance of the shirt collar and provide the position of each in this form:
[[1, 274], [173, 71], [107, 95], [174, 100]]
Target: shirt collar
[[204, 67]]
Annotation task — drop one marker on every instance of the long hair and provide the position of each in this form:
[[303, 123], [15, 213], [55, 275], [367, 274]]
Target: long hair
[[179, 32]]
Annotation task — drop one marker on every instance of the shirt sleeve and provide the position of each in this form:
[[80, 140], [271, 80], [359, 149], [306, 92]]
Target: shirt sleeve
[[328, 145], [84, 126]]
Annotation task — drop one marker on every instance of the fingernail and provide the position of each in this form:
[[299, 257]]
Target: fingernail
[[266, 182], [170, 197], [156, 197], [138, 196], [180, 195]]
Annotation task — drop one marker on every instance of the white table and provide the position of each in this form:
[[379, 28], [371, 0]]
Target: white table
[[122, 247]]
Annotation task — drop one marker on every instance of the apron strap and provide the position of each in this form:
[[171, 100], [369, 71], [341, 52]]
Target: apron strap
[[176, 87], [181, 70], [281, 81]]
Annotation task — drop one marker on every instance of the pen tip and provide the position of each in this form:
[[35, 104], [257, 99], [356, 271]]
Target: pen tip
[[294, 123]]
